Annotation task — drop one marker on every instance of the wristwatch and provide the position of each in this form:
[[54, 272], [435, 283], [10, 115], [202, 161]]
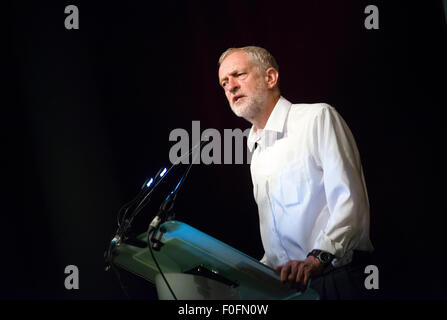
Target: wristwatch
[[324, 257]]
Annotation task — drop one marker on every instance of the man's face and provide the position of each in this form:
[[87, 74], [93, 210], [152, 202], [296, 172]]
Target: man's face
[[244, 86]]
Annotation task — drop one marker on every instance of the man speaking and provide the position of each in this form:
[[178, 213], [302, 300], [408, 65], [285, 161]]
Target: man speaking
[[307, 179]]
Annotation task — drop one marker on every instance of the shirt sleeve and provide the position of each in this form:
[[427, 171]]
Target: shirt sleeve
[[344, 184]]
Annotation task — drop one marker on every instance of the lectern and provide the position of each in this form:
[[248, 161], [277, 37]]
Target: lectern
[[198, 266]]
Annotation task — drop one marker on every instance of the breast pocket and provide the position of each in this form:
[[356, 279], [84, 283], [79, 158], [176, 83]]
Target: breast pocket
[[293, 184]]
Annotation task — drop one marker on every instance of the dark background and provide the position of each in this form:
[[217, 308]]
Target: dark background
[[87, 115]]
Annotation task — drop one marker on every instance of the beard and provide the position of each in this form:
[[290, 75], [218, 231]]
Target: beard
[[251, 106]]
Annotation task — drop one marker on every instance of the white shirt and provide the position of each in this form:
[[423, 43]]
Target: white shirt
[[308, 184]]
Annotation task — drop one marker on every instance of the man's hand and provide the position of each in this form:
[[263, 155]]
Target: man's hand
[[297, 273]]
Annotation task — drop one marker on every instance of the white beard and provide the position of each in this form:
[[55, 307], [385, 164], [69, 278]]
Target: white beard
[[252, 106]]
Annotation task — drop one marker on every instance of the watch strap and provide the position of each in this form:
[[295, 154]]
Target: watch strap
[[324, 257]]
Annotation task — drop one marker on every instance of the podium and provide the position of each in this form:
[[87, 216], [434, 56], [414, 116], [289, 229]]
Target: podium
[[198, 266]]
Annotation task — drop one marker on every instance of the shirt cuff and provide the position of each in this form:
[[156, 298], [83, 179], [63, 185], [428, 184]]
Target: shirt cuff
[[336, 248]]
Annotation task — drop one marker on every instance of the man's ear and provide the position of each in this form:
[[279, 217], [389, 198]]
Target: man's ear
[[271, 77]]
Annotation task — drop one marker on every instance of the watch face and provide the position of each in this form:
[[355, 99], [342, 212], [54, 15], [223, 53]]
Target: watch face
[[325, 257]]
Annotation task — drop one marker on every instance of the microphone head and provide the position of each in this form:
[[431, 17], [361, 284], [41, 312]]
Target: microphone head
[[162, 173], [151, 181]]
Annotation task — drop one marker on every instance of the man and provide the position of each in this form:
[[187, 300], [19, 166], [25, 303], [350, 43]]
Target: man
[[307, 179]]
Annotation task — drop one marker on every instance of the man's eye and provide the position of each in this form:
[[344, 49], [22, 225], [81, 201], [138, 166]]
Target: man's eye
[[241, 74]]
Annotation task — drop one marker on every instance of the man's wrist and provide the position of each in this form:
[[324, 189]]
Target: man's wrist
[[325, 258]]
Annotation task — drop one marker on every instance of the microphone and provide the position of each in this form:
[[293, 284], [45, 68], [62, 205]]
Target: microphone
[[125, 224], [151, 181], [147, 188], [167, 205], [163, 173], [143, 196]]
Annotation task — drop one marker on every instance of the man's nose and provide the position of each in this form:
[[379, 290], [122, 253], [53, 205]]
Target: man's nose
[[233, 86]]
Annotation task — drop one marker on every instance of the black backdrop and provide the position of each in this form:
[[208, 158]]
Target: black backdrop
[[88, 113]]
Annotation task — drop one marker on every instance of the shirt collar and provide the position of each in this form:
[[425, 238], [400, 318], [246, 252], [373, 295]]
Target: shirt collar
[[275, 122]]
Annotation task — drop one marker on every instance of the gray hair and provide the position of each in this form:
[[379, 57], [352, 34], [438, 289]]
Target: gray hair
[[260, 56]]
